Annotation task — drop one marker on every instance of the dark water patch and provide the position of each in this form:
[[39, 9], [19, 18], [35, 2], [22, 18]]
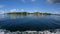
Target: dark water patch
[[30, 22]]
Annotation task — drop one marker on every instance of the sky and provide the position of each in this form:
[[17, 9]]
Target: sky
[[51, 6]]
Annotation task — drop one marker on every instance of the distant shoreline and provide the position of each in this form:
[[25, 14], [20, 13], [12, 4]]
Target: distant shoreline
[[24, 13], [28, 13]]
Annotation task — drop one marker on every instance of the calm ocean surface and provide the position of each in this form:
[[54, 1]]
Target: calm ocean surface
[[29, 22]]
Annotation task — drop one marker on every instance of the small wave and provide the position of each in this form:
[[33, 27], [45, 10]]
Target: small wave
[[57, 31]]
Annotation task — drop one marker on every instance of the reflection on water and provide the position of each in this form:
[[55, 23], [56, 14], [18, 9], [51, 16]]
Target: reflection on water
[[29, 22]]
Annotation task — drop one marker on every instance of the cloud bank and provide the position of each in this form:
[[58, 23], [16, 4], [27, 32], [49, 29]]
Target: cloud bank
[[53, 1], [14, 10]]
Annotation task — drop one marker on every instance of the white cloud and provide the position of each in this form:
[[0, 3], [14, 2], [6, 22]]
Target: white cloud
[[13, 10], [1, 6], [23, 1], [33, 0], [2, 11], [16, 10], [53, 1], [22, 9]]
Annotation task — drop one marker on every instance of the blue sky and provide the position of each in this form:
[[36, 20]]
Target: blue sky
[[30, 6]]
